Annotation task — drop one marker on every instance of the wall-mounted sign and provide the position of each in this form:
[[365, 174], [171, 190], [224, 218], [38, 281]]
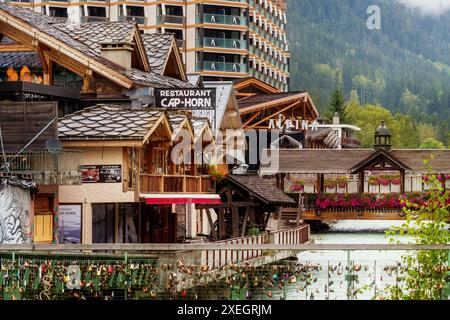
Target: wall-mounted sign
[[101, 173], [69, 223], [187, 99]]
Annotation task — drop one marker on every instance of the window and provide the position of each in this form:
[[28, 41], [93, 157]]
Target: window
[[103, 220], [159, 160]]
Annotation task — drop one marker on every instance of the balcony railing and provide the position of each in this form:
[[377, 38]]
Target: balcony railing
[[46, 168], [158, 183], [221, 19], [87, 19], [138, 19], [222, 43], [161, 19], [221, 66]]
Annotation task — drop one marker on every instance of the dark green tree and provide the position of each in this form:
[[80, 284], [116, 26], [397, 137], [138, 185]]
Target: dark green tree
[[336, 105]]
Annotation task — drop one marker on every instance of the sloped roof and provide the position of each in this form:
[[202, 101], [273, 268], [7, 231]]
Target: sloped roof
[[19, 59], [158, 47], [199, 125], [194, 79], [223, 93], [263, 189], [86, 39], [92, 34], [342, 161], [268, 97], [108, 122]]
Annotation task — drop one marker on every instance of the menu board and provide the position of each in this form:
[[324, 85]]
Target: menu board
[[101, 173]]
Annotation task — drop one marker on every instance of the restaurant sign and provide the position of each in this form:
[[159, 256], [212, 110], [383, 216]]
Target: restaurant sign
[[101, 173], [186, 99]]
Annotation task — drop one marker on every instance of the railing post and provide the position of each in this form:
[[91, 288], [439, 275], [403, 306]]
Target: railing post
[[126, 274]]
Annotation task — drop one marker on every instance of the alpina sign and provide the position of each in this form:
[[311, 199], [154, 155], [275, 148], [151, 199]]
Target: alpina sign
[[187, 99]]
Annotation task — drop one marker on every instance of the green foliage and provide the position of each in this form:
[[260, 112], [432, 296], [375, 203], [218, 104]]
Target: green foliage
[[405, 66], [368, 118], [336, 105], [423, 271], [253, 230], [432, 143]]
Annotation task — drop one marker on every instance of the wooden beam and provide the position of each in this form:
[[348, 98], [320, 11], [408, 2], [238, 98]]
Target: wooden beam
[[402, 181], [251, 119], [15, 48], [244, 225], [222, 228], [228, 205], [310, 215], [235, 221], [274, 114], [211, 224]]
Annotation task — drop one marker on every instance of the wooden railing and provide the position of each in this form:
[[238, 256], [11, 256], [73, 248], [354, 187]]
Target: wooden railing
[[161, 183], [219, 258]]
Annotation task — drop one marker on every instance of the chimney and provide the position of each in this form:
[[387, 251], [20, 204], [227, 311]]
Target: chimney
[[336, 119], [117, 52]]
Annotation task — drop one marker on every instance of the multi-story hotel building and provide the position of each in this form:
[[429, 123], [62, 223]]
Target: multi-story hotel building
[[219, 39]]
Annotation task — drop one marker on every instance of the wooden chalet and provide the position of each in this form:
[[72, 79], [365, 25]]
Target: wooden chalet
[[333, 184], [248, 202], [128, 174]]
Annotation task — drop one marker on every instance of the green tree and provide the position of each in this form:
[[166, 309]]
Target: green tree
[[432, 143], [336, 105], [422, 273], [425, 131]]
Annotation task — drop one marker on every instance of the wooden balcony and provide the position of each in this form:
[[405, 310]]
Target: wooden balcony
[[162, 183]]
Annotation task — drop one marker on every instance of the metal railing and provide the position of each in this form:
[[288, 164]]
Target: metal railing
[[41, 161], [138, 19]]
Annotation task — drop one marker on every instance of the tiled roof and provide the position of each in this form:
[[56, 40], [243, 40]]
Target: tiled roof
[[263, 189], [198, 124], [107, 122], [194, 79], [176, 119], [157, 47], [93, 34], [19, 59], [86, 39]]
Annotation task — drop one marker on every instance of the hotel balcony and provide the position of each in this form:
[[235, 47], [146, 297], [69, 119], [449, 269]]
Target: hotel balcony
[[138, 19], [87, 19], [46, 168], [221, 66], [169, 19], [221, 19], [162, 183], [222, 43]]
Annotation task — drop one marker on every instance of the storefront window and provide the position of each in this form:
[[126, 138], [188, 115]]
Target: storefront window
[[103, 222], [128, 223]]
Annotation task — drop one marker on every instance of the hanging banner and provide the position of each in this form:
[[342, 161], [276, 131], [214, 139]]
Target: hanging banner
[[186, 99], [69, 223]]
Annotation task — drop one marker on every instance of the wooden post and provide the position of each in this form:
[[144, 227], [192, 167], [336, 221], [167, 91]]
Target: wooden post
[[244, 225], [211, 224], [300, 208], [235, 221], [282, 177], [251, 215], [402, 181], [221, 223], [361, 182], [279, 213]]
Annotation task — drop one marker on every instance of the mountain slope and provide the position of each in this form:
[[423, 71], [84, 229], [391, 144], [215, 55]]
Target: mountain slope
[[405, 66]]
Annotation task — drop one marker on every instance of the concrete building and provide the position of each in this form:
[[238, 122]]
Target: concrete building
[[221, 40]]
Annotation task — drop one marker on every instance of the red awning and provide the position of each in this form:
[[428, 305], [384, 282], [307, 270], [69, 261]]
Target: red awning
[[181, 199]]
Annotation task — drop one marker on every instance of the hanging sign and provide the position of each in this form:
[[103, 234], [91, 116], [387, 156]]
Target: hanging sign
[[187, 99]]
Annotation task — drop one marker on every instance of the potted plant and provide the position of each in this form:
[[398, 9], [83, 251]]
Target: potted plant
[[215, 174], [297, 185]]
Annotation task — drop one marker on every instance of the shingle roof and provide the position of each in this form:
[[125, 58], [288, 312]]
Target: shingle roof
[[92, 34], [107, 122], [341, 161], [86, 39], [19, 59], [263, 189], [158, 47]]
